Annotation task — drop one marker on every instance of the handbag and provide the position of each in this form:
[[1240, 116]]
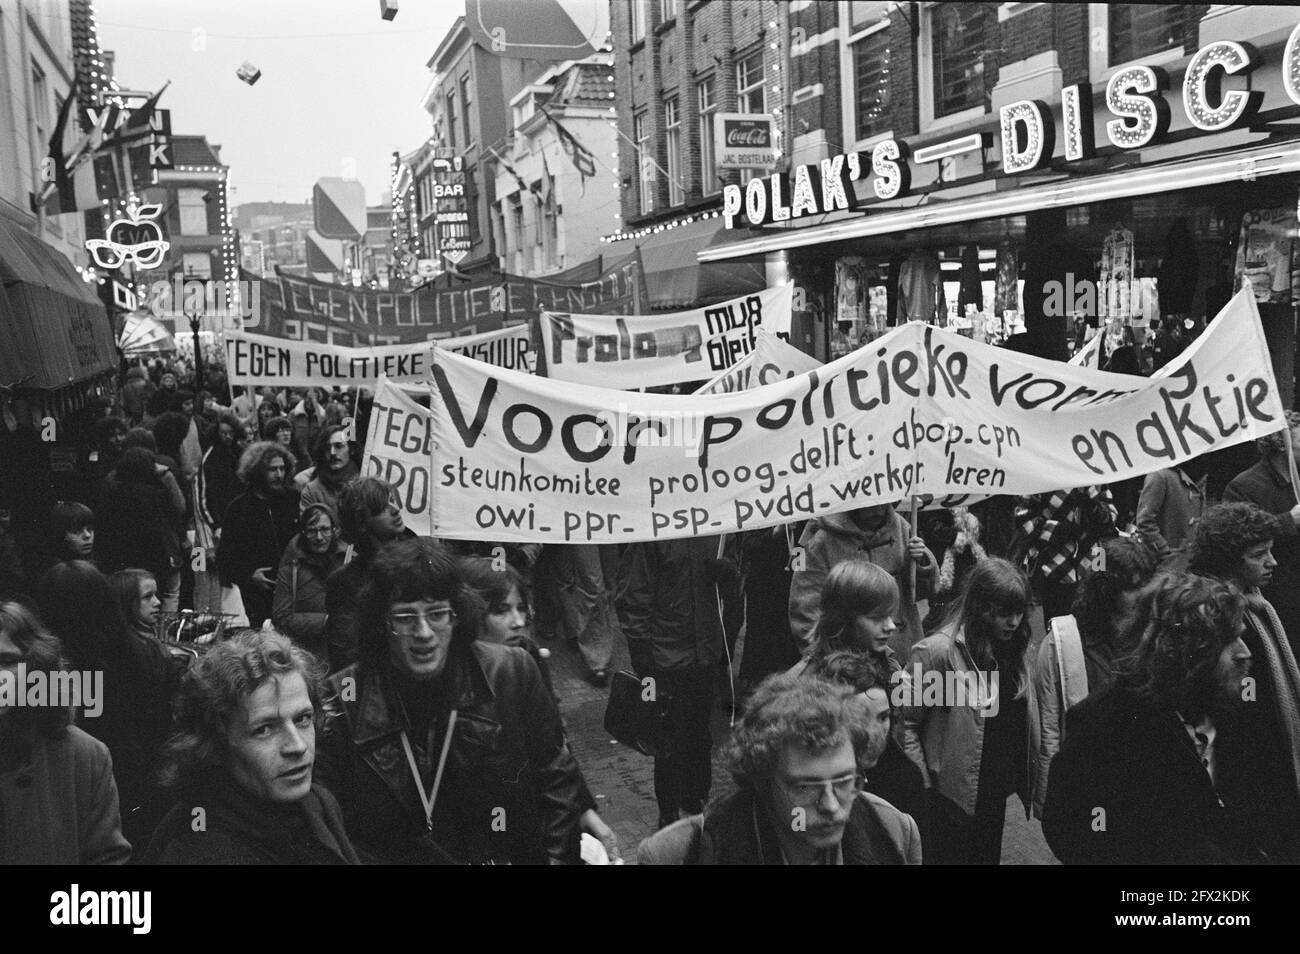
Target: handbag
[[631, 718]]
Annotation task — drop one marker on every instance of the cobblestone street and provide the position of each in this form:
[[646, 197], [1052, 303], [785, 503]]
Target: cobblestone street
[[622, 779]]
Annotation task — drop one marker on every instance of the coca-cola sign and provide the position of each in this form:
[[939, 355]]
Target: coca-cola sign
[[744, 141]]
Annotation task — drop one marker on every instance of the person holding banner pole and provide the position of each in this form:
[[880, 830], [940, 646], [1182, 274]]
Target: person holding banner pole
[[877, 534]]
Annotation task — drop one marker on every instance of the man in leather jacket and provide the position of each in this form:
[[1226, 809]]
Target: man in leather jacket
[[472, 721]]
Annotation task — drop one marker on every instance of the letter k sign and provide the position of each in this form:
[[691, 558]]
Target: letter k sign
[[160, 154]]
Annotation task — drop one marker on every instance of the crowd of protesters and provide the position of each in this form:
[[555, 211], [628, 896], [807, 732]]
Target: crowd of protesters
[[1126, 660]]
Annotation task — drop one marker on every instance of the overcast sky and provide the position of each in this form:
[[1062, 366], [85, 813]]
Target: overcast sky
[[338, 82]]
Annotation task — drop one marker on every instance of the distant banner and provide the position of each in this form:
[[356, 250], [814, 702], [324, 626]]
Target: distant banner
[[771, 360], [651, 350], [304, 309], [256, 360], [920, 411], [1089, 356]]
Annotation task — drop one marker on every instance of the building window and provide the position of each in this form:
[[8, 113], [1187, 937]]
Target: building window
[[957, 45], [749, 84], [517, 231], [464, 107], [673, 143], [196, 265], [708, 163], [637, 11], [551, 217], [40, 105], [644, 170], [451, 120], [871, 83], [471, 201], [1138, 30], [194, 211], [667, 10]]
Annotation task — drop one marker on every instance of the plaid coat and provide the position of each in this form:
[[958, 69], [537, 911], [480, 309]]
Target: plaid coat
[[1059, 529]]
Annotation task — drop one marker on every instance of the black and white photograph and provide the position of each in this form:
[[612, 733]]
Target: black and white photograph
[[650, 432]]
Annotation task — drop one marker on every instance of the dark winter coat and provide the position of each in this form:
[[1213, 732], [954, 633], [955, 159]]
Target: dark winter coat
[[1136, 763], [298, 606], [241, 829], [221, 483], [254, 533], [511, 792], [669, 604], [136, 527]]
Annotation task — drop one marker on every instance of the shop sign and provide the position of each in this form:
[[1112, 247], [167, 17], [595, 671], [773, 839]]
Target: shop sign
[[136, 238], [1134, 96], [451, 220], [744, 141]]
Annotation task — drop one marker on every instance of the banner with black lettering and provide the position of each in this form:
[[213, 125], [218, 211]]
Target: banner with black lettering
[[304, 309], [256, 360], [771, 360], [919, 411], [615, 351], [397, 450]]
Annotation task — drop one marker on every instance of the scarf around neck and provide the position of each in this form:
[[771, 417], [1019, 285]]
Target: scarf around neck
[[1283, 674]]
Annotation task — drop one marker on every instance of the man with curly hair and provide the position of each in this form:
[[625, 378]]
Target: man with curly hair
[[244, 752], [258, 525], [1268, 486], [796, 757], [1234, 543], [1139, 778]]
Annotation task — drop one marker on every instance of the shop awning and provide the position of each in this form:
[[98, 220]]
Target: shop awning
[[676, 279], [53, 328], [1239, 165]]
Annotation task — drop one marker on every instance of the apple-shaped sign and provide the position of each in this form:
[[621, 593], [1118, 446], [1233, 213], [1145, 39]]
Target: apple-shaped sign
[[137, 237]]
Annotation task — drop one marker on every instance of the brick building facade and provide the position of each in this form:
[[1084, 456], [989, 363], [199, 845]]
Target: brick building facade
[[824, 62]]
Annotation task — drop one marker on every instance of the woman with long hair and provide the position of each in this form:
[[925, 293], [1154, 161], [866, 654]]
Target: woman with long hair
[[859, 603], [58, 801], [1078, 655], [76, 602], [136, 595], [966, 724]]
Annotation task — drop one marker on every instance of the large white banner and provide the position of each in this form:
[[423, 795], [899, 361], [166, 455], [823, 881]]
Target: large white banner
[[257, 360], [918, 411], [624, 352]]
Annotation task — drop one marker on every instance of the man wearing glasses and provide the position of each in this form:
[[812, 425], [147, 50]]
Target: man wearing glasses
[[795, 757]]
